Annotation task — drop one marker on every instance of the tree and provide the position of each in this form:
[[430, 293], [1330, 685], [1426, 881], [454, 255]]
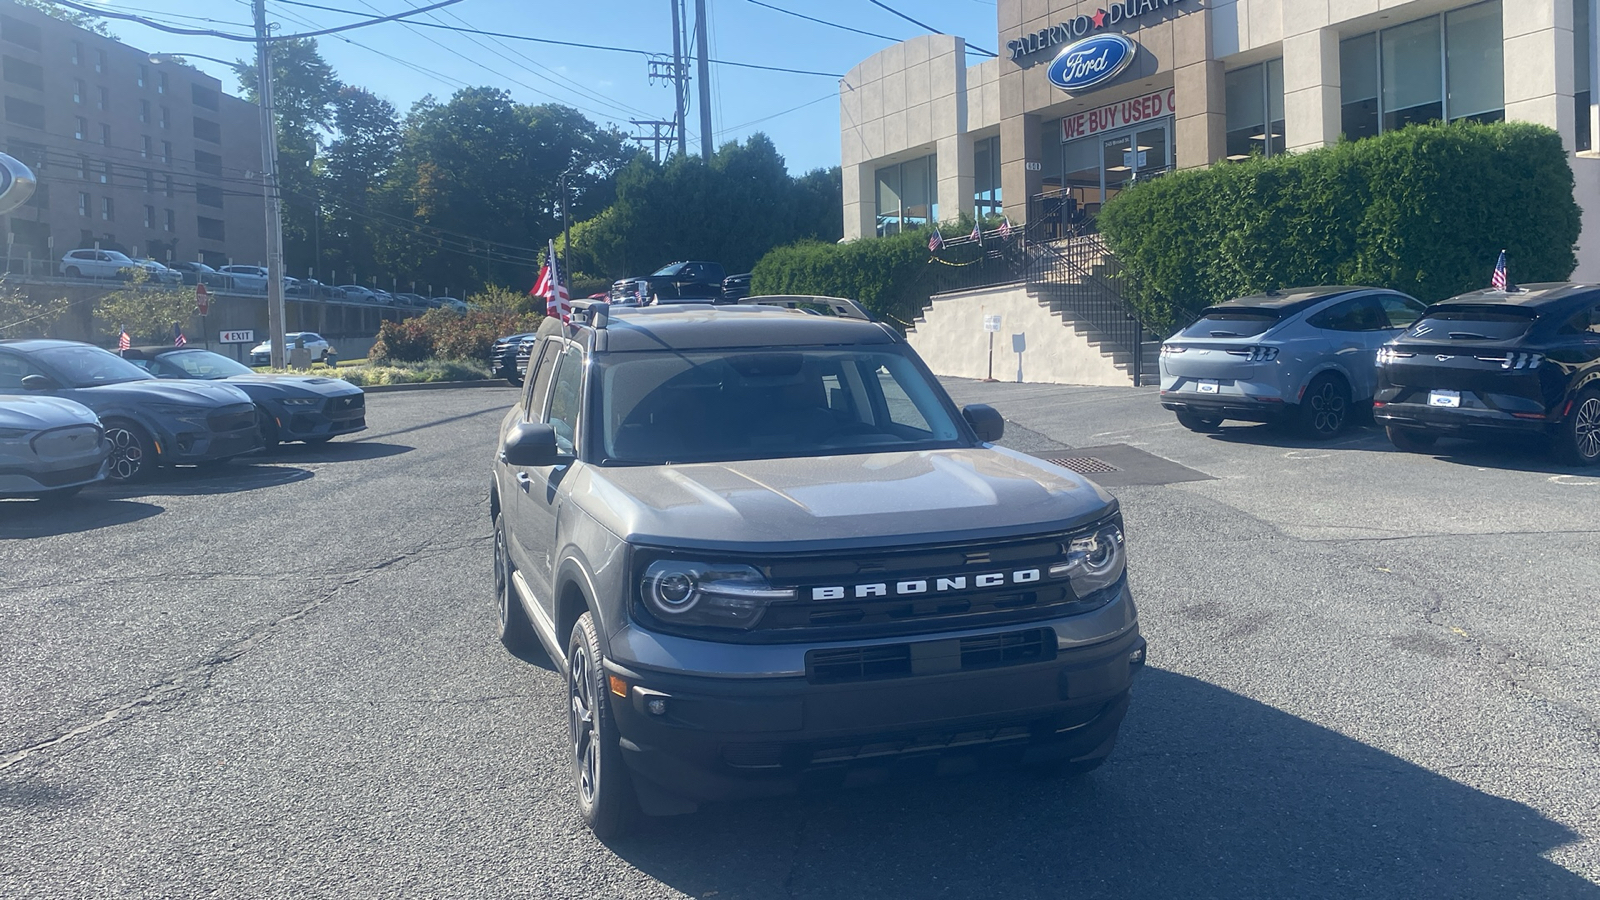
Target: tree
[[354, 168], [304, 89], [484, 166], [21, 316], [148, 313]]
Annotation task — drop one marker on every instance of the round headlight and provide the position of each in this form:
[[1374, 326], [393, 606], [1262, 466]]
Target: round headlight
[[675, 589]]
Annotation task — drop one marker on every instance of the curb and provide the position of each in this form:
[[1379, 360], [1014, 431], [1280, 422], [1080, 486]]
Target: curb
[[436, 386]]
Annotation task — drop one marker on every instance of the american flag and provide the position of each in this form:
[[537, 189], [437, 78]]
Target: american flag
[[124, 342], [1498, 282], [977, 232], [1005, 227], [558, 303], [936, 240], [178, 340]]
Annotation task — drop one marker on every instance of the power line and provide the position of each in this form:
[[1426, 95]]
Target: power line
[[245, 38], [790, 12], [827, 96], [892, 10], [577, 44]]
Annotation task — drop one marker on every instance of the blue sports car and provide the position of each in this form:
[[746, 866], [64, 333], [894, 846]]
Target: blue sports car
[[148, 422], [307, 408]]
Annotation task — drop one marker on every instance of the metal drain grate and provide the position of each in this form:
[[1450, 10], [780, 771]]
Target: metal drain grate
[[1084, 465]]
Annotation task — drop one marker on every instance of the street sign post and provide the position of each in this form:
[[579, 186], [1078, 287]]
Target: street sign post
[[991, 324], [202, 299], [237, 337]]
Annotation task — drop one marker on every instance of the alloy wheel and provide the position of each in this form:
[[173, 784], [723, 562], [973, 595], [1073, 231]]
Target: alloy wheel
[[585, 746], [127, 453], [1328, 408], [1586, 428], [502, 584]]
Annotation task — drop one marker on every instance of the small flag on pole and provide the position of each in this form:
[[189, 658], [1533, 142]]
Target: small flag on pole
[[123, 341], [1499, 281], [557, 302], [1005, 227], [178, 340], [936, 241], [977, 232]]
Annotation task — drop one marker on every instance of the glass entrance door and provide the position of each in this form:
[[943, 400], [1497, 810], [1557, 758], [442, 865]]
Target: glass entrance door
[[1097, 167], [1130, 156]]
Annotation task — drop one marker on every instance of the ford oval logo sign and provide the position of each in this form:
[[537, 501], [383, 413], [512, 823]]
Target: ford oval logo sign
[[1091, 62]]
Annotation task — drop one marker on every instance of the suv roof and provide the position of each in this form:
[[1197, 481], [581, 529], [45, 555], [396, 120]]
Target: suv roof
[[1526, 294], [702, 326]]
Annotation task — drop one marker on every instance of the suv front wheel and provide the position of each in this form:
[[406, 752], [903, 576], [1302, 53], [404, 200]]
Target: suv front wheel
[[605, 795]]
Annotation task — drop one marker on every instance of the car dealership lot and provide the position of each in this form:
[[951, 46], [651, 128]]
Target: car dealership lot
[[1371, 674]]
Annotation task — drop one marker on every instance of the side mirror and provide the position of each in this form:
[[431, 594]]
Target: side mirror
[[985, 420], [530, 444], [39, 383]]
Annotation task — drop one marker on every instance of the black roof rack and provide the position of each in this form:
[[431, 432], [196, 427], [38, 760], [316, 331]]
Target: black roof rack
[[839, 306]]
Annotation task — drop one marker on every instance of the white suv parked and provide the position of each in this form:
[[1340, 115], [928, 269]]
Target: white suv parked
[[245, 278], [112, 264]]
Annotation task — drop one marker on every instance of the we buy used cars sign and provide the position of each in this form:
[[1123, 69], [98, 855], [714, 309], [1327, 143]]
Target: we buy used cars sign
[[1118, 115]]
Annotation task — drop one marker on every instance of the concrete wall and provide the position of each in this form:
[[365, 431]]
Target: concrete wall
[[951, 339]]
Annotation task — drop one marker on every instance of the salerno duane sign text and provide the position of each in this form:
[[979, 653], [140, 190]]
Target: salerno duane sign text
[[1075, 28]]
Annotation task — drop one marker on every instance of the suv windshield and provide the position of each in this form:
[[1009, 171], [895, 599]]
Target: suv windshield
[[89, 366], [1230, 323], [723, 405], [1473, 323], [204, 364], [668, 270]]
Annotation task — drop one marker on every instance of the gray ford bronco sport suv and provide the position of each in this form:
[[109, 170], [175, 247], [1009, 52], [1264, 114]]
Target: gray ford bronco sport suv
[[767, 550]]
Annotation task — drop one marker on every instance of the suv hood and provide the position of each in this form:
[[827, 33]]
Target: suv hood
[[292, 385], [37, 413], [820, 503]]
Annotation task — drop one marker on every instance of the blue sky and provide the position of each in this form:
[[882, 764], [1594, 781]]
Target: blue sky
[[607, 86]]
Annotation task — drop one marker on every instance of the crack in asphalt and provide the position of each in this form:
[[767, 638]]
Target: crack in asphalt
[[176, 686]]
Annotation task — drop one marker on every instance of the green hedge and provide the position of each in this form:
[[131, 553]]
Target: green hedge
[[1425, 210]]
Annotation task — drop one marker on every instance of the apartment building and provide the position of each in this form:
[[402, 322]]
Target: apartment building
[[1088, 96], [152, 159]]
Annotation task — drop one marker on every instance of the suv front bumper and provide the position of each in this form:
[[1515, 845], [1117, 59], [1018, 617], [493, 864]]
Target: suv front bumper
[[703, 738]]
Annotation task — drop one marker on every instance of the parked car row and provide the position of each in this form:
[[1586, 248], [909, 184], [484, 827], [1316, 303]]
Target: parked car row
[[104, 265], [1481, 364], [73, 414], [694, 281]]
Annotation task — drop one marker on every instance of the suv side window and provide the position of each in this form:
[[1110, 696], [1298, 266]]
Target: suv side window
[[566, 396], [1586, 323], [14, 368], [1358, 314], [1400, 312], [542, 365]]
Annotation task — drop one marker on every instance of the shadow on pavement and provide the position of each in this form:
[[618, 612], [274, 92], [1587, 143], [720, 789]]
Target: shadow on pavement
[[1356, 437], [335, 451], [48, 518], [231, 477], [1210, 794]]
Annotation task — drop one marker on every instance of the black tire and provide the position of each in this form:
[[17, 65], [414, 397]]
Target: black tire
[[605, 793], [1197, 422], [268, 426], [514, 380], [1410, 440], [515, 631], [58, 495], [132, 453], [1324, 408], [72, 272], [1578, 440]]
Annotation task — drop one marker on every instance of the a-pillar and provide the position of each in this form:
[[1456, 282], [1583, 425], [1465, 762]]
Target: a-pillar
[[1019, 143], [1200, 123], [1311, 93], [953, 156]]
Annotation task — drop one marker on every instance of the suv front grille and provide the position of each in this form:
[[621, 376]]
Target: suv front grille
[[234, 420], [930, 657]]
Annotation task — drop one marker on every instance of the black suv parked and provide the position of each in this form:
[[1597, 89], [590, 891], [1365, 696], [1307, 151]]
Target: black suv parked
[[1492, 362], [504, 361], [767, 549], [695, 280]]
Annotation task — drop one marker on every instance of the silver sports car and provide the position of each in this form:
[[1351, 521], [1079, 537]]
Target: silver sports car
[[1302, 356], [49, 448]]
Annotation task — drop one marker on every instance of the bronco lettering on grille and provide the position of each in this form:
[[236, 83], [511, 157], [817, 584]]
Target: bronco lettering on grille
[[913, 587]]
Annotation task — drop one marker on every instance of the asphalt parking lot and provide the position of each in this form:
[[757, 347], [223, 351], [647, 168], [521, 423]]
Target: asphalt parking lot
[[1371, 674]]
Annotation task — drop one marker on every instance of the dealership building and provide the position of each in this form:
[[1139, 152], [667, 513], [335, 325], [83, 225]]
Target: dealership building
[[1086, 98]]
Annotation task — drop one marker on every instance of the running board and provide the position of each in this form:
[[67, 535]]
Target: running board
[[541, 623]]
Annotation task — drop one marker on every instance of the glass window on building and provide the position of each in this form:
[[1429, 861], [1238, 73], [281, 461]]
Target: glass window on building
[[1442, 68], [1080, 179], [906, 195], [986, 199], [1583, 38], [1475, 64], [1254, 98]]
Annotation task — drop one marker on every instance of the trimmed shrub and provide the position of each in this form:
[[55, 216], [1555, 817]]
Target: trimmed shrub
[[1425, 210], [448, 335]]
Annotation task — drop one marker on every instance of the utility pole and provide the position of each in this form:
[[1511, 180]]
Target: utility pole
[[269, 182], [680, 72], [656, 139], [703, 72]]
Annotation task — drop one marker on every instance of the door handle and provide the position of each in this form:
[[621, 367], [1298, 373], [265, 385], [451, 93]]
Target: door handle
[[524, 481]]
